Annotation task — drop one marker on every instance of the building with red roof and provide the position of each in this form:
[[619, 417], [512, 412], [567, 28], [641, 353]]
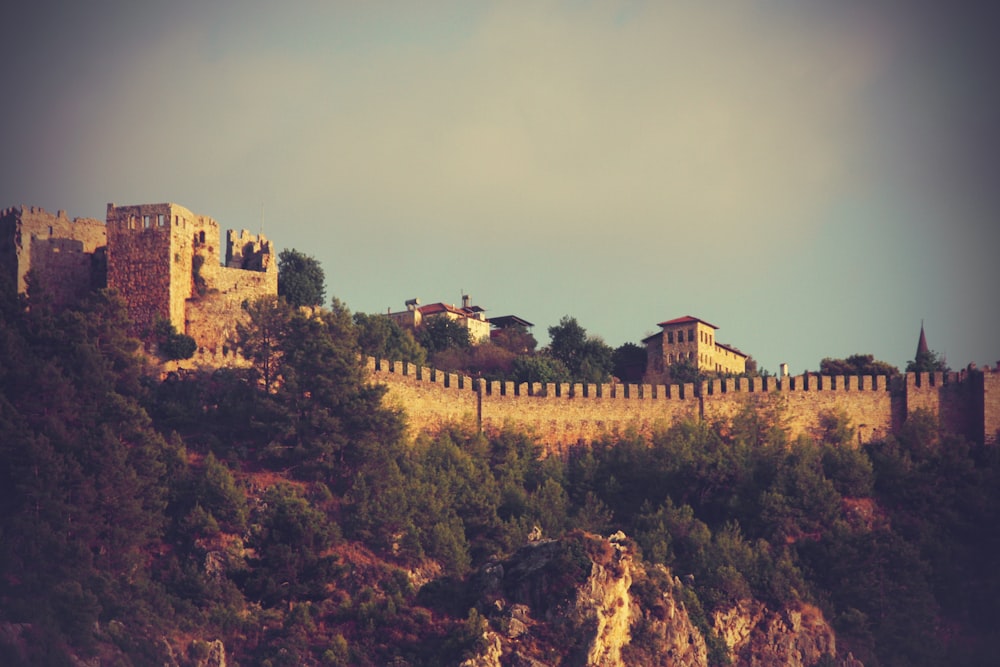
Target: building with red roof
[[690, 339]]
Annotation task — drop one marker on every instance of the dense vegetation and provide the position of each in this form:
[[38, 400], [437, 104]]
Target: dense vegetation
[[279, 508]]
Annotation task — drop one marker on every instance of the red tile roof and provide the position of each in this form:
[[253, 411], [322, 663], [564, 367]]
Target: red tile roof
[[687, 319]]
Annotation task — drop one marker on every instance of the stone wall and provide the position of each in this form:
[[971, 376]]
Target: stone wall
[[430, 399], [800, 402], [149, 263], [166, 262], [991, 405], [212, 317], [65, 257], [561, 416]]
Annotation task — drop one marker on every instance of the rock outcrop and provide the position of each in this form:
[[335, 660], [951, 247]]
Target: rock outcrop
[[585, 600]]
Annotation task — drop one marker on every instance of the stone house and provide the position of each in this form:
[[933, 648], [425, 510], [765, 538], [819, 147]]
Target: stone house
[[690, 339]]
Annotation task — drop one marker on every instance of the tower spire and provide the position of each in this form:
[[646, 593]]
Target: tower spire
[[922, 349]]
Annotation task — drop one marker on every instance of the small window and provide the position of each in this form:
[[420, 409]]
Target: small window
[[50, 230], [691, 335], [145, 222], [159, 220], [131, 222], [670, 336], [201, 237], [680, 336]]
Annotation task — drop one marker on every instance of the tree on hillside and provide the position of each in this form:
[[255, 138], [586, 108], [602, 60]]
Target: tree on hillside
[[300, 279], [629, 362], [538, 368], [441, 333], [588, 358], [259, 339], [517, 339], [380, 337], [857, 364]]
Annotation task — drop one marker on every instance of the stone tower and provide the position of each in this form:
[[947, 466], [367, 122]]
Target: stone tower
[[151, 250]]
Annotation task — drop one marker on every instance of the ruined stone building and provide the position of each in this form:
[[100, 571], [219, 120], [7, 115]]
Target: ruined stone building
[[690, 339], [163, 260]]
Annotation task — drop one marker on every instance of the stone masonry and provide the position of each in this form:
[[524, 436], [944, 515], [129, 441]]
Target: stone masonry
[[162, 259], [561, 416]]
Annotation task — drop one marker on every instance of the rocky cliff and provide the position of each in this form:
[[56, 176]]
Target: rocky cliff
[[586, 600]]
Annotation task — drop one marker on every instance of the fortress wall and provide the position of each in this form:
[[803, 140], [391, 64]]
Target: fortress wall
[[561, 416], [211, 319], [144, 265], [62, 253], [800, 402], [958, 400], [430, 399], [991, 404]]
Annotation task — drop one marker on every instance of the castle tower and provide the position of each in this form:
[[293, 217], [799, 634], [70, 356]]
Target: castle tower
[[151, 250]]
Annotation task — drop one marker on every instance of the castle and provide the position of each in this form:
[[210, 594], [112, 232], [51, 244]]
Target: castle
[[162, 259], [165, 262]]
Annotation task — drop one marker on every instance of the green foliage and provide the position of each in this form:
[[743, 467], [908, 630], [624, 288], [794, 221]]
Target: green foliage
[[588, 358], [172, 345], [226, 510], [379, 336], [857, 364], [927, 361], [437, 334], [259, 339], [538, 368], [290, 539], [629, 362], [515, 339], [301, 281]]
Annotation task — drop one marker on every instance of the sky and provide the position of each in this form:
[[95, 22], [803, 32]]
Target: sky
[[815, 178]]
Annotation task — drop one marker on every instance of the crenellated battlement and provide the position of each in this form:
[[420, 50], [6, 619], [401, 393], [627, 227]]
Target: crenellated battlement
[[561, 415], [251, 252], [163, 259]]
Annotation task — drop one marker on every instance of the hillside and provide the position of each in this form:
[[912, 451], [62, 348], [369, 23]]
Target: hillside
[[280, 515]]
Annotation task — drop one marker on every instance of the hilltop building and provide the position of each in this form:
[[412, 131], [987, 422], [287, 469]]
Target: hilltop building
[[162, 259], [469, 316], [690, 339]]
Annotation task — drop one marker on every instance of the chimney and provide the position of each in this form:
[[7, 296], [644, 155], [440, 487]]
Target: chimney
[[465, 300]]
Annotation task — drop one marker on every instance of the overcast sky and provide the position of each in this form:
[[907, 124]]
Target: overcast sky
[[813, 177]]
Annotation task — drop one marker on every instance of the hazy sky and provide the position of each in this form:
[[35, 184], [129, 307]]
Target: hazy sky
[[813, 177]]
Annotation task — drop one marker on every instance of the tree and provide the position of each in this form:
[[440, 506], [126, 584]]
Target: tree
[[538, 368], [629, 362], [857, 364], [927, 361], [173, 345], [381, 337], [588, 358], [259, 339], [517, 339], [301, 280], [440, 333]]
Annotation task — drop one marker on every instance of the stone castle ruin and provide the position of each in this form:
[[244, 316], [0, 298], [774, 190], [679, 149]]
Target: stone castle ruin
[[164, 261]]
